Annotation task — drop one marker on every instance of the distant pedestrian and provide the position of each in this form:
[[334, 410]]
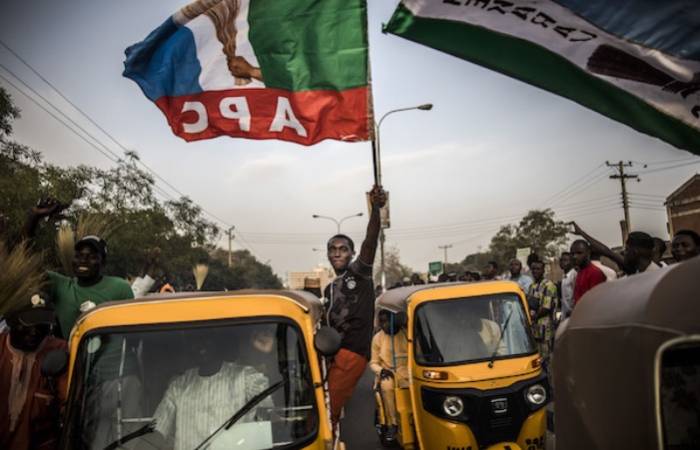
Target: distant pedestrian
[[490, 271], [639, 249], [566, 263], [524, 281], [587, 275], [544, 294], [685, 245], [416, 279]]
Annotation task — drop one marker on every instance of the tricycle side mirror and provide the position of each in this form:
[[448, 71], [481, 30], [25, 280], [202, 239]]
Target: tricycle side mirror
[[55, 364], [327, 341]]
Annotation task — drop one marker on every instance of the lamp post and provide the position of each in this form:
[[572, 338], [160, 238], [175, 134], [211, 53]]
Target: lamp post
[[378, 174], [336, 221]]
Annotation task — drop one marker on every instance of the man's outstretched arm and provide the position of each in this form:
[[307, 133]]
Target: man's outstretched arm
[[598, 246], [377, 198]]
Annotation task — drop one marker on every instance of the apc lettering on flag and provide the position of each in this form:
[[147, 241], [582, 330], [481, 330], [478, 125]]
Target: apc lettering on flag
[[295, 70]]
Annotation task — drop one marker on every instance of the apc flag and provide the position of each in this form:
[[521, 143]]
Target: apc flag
[[635, 61], [295, 70]]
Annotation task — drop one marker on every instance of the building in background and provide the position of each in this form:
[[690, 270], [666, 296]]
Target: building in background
[[683, 207], [318, 277]]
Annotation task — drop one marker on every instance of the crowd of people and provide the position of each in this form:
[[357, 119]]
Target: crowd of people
[[31, 401], [549, 302]]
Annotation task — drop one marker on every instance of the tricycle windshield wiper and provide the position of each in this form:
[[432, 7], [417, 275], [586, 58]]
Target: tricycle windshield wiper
[[504, 325], [146, 429], [252, 403]]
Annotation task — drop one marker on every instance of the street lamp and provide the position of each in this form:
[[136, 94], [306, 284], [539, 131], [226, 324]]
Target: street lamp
[[378, 171], [336, 221], [377, 149]]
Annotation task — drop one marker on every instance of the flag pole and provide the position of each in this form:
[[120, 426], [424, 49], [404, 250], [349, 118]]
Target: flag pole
[[376, 161]]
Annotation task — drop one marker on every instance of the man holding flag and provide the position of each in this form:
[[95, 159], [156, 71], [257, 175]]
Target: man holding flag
[[350, 306]]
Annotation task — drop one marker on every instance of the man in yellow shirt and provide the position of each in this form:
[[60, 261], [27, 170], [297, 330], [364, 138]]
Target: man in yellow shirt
[[389, 359]]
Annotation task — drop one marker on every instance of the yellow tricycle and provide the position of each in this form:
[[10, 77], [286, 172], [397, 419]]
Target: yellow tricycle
[[475, 377]]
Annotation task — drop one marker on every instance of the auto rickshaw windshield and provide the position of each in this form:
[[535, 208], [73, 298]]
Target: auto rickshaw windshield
[[451, 332], [175, 387]]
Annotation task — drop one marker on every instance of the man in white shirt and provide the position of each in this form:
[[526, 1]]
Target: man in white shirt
[[609, 273], [200, 400], [523, 280], [567, 284]]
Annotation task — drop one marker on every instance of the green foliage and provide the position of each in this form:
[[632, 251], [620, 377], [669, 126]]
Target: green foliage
[[395, 271], [537, 230], [8, 112], [124, 196]]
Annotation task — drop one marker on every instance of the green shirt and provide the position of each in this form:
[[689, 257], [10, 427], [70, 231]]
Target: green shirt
[[68, 295]]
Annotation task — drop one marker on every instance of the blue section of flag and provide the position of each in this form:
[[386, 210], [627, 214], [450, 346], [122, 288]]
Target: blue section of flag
[[671, 26], [165, 63]]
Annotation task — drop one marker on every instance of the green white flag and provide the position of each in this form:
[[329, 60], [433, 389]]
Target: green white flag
[[635, 61]]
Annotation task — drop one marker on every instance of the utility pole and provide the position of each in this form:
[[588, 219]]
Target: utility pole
[[445, 247], [230, 238], [623, 177]]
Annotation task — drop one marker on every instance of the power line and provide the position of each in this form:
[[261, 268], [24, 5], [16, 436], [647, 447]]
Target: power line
[[104, 150], [570, 186], [677, 166], [94, 123], [113, 157], [61, 121]]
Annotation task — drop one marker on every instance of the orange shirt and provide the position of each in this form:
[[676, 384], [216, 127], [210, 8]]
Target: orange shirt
[[33, 423]]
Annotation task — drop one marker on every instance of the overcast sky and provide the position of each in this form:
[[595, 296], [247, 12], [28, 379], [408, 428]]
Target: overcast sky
[[491, 149]]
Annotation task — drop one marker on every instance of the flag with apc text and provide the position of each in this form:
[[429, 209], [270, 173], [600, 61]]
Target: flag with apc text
[[295, 70]]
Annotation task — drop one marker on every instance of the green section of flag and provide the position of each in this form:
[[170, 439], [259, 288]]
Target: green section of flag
[[538, 66], [310, 44]]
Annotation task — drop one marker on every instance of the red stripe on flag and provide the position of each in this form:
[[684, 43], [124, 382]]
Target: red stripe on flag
[[317, 114]]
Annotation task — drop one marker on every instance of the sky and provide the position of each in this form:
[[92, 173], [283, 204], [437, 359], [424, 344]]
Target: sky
[[491, 149]]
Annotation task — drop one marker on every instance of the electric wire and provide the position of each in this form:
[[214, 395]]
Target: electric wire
[[102, 148], [94, 123]]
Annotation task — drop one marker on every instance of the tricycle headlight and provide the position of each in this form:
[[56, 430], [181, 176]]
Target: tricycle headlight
[[536, 395], [453, 406]]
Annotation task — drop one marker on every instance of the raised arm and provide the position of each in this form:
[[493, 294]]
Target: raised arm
[[598, 246], [377, 198], [47, 207]]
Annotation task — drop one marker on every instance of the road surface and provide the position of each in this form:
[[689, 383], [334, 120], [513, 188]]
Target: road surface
[[357, 428]]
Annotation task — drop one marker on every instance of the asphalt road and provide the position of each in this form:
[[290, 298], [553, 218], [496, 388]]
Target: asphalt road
[[357, 427]]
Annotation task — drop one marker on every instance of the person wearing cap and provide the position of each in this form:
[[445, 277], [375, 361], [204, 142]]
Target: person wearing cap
[[29, 401], [89, 287]]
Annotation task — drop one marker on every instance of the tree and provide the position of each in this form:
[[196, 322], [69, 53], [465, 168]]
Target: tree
[[8, 113], [538, 230], [395, 271], [123, 198]]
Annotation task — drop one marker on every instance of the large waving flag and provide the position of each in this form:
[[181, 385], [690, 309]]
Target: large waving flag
[[295, 70], [635, 61]]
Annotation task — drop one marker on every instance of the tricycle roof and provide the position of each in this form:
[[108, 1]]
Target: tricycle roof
[[307, 302], [397, 300]]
